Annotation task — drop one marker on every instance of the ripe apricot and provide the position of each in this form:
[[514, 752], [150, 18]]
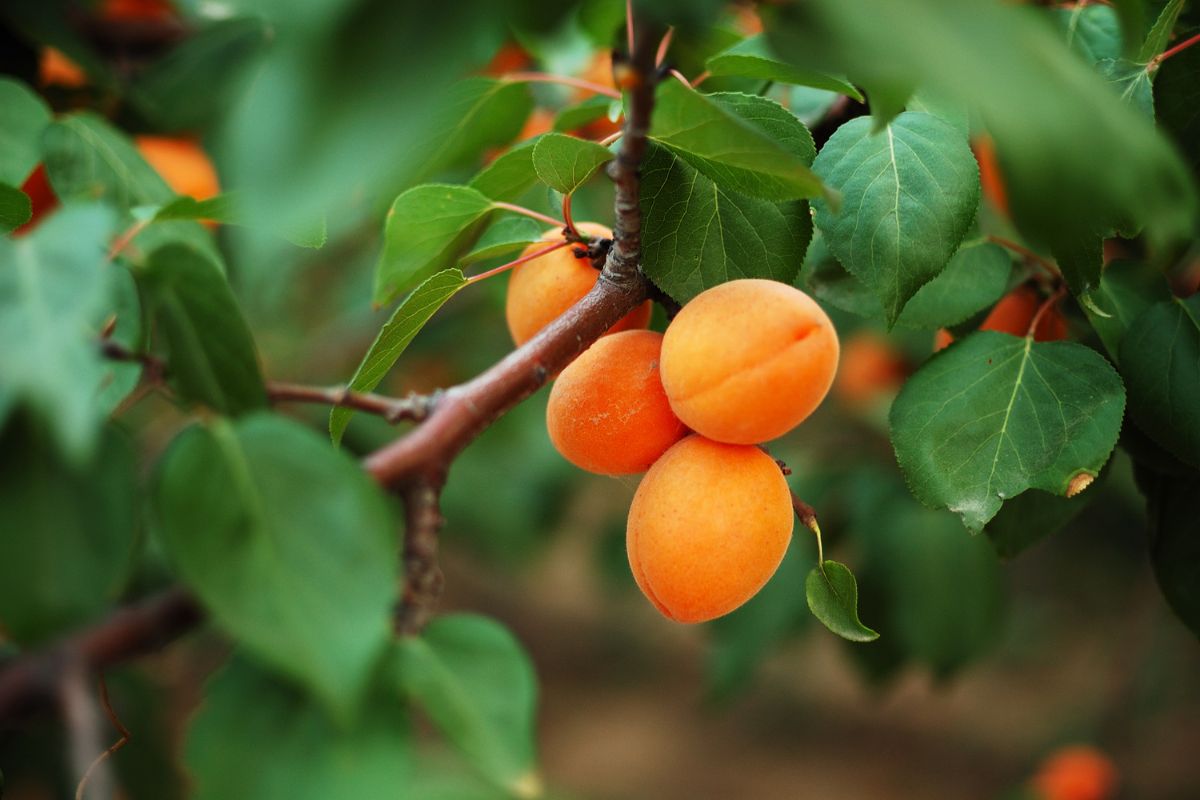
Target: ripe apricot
[[1078, 772], [871, 368], [182, 163], [56, 69], [990, 178], [1013, 314], [539, 291], [608, 412], [748, 360], [42, 199], [708, 527]]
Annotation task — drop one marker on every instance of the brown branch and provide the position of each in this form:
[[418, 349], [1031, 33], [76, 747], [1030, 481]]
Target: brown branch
[[413, 407], [423, 522]]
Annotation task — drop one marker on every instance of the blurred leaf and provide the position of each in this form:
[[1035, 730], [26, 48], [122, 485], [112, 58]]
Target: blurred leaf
[[1160, 34], [506, 237], [400, 329], [198, 79], [1126, 289], [123, 303], [930, 102], [752, 58], [288, 544], [478, 686], [1160, 362], [510, 175], [15, 209], [257, 738], [976, 277], [477, 113], [87, 157], [1080, 258], [1092, 30], [69, 531], [700, 129], [1131, 81], [1032, 516], [174, 232], [565, 162], [909, 194], [833, 598], [225, 209], [1174, 546], [429, 228], [1176, 98], [1132, 17], [53, 288], [23, 117], [575, 116], [210, 353], [994, 415]]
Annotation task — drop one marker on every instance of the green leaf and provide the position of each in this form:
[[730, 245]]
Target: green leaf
[[696, 234], [833, 598], [210, 353], [1160, 34], [564, 162], [478, 686], [576, 116], [200, 77], [1132, 16], [69, 531], [400, 329], [826, 279], [928, 101], [510, 175], [1030, 517], [1080, 258], [429, 228], [752, 58], [1174, 546], [123, 304], [1092, 30], [1131, 81], [225, 208], [1176, 98], [735, 153], [909, 194], [288, 544], [53, 292], [87, 157], [976, 277], [477, 113], [1160, 362], [23, 117], [257, 738], [993, 415], [15, 208], [1126, 290], [506, 237]]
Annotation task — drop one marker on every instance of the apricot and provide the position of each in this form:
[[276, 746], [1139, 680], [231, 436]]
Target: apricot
[[42, 199], [870, 369], [990, 178], [748, 360], [182, 163], [56, 69], [539, 291], [1076, 773], [607, 412], [708, 527], [1013, 314]]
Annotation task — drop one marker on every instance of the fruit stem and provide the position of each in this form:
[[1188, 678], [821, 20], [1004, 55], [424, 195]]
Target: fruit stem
[[529, 212], [808, 518], [629, 25], [568, 223], [1049, 303], [511, 264], [562, 80], [607, 140], [1163, 56], [127, 236], [701, 78], [680, 77]]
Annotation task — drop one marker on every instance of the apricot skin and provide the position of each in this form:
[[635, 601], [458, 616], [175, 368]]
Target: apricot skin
[[748, 360], [539, 291], [607, 412], [182, 163], [708, 527]]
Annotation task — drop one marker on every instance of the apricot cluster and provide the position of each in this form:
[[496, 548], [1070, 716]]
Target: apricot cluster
[[742, 363]]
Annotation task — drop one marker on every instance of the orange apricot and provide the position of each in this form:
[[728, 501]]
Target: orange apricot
[[607, 412], [540, 290], [708, 527], [42, 199], [1013, 315], [871, 368], [511, 57], [1077, 772], [56, 69], [539, 121], [990, 178], [182, 163], [748, 360]]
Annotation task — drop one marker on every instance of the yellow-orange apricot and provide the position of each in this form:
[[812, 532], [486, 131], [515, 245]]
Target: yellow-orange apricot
[[1013, 314], [990, 177], [708, 527], [539, 291], [748, 360], [182, 163], [871, 368], [1078, 772], [608, 412]]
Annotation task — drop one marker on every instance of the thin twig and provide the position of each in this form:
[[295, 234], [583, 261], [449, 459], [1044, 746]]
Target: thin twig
[[414, 407], [1163, 56], [607, 140], [571, 231], [529, 212], [1026, 253], [562, 80], [663, 46], [1045, 307], [121, 242], [106, 704], [518, 261], [679, 76], [808, 518], [423, 577]]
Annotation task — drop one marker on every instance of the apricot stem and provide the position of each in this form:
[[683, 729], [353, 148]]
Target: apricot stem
[[128, 235], [568, 223], [516, 262], [529, 212], [1163, 56], [562, 80], [1049, 303], [808, 518], [607, 140], [1026, 253]]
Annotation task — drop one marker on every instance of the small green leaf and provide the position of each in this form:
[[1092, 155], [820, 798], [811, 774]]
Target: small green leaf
[[1160, 34], [833, 598], [576, 116], [564, 162], [752, 58], [505, 237], [510, 175], [288, 544], [257, 738], [23, 117], [478, 686], [930, 102], [731, 151], [226, 209], [1092, 30], [211, 357], [909, 194], [429, 228], [1132, 81], [406, 321], [86, 157], [1160, 361], [15, 208], [1127, 289], [994, 415]]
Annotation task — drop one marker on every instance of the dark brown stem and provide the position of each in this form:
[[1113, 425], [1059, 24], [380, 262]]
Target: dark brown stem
[[423, 577], [101, 759]]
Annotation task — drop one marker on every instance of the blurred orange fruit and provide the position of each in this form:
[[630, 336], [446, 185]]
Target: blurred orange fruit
[[1078, 772], [182, 163], [870, 369]]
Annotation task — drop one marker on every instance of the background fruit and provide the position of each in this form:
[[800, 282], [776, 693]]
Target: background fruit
[[748, 360], [870, 368], [1076, 773], [709, 525], [1013, 314], [182, 163]]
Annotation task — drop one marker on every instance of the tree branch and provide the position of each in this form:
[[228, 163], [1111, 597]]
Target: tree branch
[[423, 522]]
